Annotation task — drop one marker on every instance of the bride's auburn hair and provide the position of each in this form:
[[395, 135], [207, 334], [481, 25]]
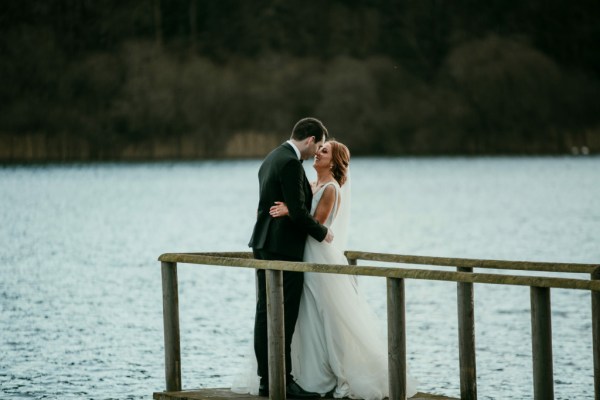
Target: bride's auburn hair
[[340, 158]]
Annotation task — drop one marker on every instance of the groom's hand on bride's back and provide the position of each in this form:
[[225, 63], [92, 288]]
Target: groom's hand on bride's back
[[279, 209]]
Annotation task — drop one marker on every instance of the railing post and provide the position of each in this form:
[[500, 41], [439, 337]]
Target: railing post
[[596, 334], [275, 334], [466, 339], [171, 326], [541, 332], [396, 338], [351, 261]]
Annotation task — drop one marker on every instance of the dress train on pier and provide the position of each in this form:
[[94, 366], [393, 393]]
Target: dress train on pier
[[338, 342]]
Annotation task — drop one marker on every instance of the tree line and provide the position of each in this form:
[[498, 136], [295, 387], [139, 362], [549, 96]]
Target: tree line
[[188, 78]]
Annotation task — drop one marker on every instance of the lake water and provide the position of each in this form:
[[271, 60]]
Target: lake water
[[80, 287]]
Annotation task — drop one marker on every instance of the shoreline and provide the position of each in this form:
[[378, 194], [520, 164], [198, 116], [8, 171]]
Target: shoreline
[[140, 161], [40, 148]]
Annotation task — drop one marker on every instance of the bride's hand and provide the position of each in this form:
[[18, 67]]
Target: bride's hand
[[279, 210]]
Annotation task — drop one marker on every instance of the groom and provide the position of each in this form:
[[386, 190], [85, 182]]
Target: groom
[[281, 178]]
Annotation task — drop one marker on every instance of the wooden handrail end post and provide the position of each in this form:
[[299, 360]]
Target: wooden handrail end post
[[596, 333], [276, 334], [466, 338], [396, 338], [541, 333], [171, 326]]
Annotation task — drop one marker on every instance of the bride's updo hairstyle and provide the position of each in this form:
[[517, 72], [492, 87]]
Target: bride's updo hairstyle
[[340, 157]]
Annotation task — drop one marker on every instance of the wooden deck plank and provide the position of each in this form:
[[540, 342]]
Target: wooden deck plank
[[225, 393]]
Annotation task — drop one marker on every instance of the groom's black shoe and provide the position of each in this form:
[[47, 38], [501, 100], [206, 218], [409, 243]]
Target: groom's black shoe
[[294, 391], [263, 390]]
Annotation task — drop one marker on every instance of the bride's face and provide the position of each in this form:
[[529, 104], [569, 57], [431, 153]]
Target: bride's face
[[323, 157]]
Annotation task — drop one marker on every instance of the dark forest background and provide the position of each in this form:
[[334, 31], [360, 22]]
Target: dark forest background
[[102, 79]]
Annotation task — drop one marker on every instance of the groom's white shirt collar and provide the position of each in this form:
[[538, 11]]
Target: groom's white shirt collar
[[295, 148]]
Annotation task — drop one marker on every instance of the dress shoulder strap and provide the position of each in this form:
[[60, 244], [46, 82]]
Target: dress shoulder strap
[[336, 186], [332, 183]]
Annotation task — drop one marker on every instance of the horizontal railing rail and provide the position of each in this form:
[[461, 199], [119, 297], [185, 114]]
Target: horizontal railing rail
[[441, 261], [464, 277], [234, 260], [473, 263]]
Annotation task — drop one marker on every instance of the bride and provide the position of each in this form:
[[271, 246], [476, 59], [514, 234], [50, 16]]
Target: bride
[[337, 347]]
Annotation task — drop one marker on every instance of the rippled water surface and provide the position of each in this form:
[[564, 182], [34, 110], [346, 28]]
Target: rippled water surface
[[80, 287]]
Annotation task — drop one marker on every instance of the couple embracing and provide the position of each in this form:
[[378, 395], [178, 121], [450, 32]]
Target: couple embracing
[[333, 346]]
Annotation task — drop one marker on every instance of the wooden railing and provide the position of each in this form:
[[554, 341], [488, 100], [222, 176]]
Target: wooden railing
[[464, 276]]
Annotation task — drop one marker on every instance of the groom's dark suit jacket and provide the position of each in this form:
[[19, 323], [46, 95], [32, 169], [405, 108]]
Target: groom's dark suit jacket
[[282, 178]]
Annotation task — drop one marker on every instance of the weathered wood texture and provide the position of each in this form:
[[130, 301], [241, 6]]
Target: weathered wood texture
[[396, 338], [540, 312], [596, 333], [541, 335], [171, 326], [405, 273], [466, 339], [472, 263], [276, 332], [226, 394]]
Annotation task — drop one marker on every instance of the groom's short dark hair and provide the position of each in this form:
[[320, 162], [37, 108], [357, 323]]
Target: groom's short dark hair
[[308, 127]]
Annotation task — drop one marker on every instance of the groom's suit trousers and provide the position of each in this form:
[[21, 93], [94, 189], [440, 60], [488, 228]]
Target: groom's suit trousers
[[293, 283]]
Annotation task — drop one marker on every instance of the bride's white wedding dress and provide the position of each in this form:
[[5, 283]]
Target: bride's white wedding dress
[[337, 342]]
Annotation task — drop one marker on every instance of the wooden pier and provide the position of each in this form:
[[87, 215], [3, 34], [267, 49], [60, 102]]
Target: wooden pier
[[464, 276], [226, 394]]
